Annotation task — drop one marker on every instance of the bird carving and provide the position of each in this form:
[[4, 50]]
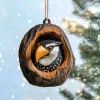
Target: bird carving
[[45, 56], [48, 55]]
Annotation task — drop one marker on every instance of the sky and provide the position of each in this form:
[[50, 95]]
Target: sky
[[16, 18]]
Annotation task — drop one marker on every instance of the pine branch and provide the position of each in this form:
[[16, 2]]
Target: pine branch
[[89, 72], [79, 3], [67, 94], [86, 95]]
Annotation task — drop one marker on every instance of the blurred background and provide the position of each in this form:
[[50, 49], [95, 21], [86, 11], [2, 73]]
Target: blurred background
[[80, 19]]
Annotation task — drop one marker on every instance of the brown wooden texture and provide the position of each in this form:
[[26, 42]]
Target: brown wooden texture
[[28, 47]]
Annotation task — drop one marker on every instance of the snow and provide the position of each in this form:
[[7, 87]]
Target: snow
[[16, 18]]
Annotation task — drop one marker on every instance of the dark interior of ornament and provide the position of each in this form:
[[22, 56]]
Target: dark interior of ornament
[[47, 36]]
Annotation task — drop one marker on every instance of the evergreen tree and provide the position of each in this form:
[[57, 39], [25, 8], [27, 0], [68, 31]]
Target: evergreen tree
[[89, 71]]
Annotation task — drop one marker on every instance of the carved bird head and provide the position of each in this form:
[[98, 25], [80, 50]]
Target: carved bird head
[[45, 48]]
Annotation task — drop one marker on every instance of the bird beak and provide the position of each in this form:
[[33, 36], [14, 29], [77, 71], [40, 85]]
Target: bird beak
[[40, 53]]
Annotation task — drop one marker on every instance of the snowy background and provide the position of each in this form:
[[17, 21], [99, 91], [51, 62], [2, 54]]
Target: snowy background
[[16, 18]]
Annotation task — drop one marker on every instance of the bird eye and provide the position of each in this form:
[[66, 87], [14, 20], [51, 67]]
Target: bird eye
[[50, 47]]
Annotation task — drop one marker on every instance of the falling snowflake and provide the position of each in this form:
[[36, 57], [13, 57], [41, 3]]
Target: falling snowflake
[[23, 84], [2, 61], [72, 80], [17, 59], [78, 91], [29, 21], [0, 44], [28, 4], [18, 14], [18, 68], [0, 55], [16, 36], [47, 98], [82, 85], [0, 69], [12, 96]]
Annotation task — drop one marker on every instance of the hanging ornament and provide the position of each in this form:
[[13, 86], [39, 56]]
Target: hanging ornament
[[45, 54]]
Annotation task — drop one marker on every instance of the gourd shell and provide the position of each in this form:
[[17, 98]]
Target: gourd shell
[[27, 49]]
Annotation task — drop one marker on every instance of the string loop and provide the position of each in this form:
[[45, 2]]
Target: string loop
[[46, 21]]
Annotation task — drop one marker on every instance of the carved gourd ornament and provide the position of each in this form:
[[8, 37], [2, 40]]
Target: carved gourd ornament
[[45, 55]]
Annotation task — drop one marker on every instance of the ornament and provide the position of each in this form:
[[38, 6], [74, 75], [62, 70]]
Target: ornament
[[45, 54]]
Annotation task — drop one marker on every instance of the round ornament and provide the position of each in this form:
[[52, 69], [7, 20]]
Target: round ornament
[[45, 55]]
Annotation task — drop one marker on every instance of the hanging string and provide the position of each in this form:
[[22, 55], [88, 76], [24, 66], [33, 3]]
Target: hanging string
[[46, 20], [46, 9]]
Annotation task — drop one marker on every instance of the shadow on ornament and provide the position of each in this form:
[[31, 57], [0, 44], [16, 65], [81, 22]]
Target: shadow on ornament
[[48, 77]]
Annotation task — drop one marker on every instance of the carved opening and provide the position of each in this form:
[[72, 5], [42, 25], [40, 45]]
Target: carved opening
[[46, 36]]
